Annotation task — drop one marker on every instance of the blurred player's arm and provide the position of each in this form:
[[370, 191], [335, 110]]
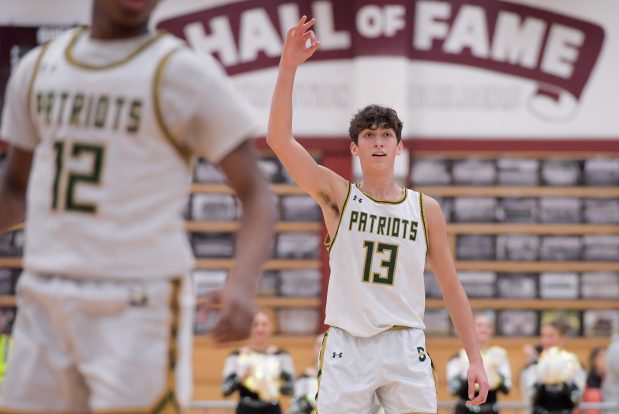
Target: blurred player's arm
[[254, 239], [322, 184], [455, 298], [13, 186], [205, 115], [19, 131]]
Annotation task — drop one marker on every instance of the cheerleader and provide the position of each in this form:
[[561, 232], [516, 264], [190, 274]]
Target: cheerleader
[[554, 383], [260, 372], [496, 365]]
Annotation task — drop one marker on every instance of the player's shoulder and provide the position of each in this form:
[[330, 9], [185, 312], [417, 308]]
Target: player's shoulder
[[29, 60], [430, 205], [188, 61]]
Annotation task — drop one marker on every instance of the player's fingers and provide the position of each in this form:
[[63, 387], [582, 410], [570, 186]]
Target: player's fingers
[[311, 43], [476, 401], [226, 334], [223, 325], [483, 390], [212, 301], [310, 35], [471, 387], [301, 22], [308, 24]]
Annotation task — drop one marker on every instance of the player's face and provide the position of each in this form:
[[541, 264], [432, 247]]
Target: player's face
[[377, 147], [483, 328], [121, 18], [550, 336], [261, 327]]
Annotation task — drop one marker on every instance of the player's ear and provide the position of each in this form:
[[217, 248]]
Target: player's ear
[[353, 148], [399, 147]]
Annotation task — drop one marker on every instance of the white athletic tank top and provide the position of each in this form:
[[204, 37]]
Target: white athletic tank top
[[108, 187], [377, 260]]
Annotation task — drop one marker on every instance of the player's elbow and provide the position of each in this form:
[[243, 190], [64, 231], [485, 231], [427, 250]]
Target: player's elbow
[[273, 141]]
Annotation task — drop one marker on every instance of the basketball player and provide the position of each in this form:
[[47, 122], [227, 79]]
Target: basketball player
[[378, 237], [108, 117]]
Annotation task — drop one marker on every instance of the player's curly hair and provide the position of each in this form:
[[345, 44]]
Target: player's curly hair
[[372, 117]]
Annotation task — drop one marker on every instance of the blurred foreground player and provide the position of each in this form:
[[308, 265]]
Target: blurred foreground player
[[102, 124]]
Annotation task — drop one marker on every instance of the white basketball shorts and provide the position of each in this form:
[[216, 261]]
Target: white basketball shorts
[[97, 346], [392, 367]]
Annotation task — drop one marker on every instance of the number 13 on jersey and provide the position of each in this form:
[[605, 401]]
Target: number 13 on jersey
[[387, 254]]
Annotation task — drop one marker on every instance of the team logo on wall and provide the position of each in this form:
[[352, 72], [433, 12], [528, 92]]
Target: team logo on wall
[[557, 52]]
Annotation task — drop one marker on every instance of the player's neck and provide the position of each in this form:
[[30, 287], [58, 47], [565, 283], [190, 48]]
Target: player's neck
[[381, 188], [104, 30]]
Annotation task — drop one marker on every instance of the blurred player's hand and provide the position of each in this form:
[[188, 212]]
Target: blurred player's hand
[[236, 312], [300, 43], [478, 382]]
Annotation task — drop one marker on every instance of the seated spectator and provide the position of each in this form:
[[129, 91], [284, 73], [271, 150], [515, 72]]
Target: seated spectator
[[260, 372]]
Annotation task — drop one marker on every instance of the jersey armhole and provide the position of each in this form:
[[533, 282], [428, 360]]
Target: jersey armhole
[[423, 220], [184, 152], [328, 241]]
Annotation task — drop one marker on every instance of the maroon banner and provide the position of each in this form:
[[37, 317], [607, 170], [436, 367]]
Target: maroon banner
[[557, 51]]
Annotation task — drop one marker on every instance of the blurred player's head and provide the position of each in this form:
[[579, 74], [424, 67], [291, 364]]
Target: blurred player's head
[[116, 19], [484, 328], [261, 329], [553, 334]]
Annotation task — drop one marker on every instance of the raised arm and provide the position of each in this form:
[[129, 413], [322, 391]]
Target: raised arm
[[13, 186], [324, 185], [455, 298], [253, 246]]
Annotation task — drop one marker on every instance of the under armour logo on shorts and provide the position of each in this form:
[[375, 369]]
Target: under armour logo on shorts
[[138, 297], [338, 354], [422, 353]]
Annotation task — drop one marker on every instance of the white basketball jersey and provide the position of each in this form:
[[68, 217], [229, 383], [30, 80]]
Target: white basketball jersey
[[377, 260], [107, 188]]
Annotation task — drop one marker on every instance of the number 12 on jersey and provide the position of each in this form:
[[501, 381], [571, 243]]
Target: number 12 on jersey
[[75, 150], [388, 254]]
